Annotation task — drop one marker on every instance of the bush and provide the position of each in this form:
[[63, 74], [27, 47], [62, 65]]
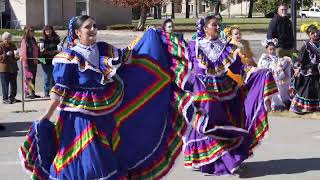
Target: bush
[[121, 27]]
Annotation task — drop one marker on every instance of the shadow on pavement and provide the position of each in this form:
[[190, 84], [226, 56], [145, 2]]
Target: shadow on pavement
[[15, 129], [277, 167]]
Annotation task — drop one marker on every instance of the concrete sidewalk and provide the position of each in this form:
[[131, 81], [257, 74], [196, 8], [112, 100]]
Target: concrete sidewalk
[[33, 109]]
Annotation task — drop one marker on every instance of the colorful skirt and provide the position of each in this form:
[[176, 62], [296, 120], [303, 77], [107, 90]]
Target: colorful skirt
[[79, 148], [306, 94], [233, 127]]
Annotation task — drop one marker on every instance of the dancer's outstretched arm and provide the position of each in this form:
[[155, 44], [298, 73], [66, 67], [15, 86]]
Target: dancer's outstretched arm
[[52, 107]]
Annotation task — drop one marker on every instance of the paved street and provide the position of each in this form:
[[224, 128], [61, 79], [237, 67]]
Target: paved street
[[290, 152]]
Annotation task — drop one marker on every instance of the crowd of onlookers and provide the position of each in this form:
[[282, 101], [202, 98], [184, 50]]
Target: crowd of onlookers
[[31, 53]]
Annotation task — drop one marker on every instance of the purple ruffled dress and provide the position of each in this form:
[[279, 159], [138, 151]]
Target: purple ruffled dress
[[229, 120]]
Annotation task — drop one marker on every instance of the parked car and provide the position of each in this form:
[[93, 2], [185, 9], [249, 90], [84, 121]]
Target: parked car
[[312, 12]]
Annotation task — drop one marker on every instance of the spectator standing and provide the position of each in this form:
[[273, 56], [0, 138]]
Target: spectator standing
[[8, 69], [30, 53], [280, 27], [48, 48]]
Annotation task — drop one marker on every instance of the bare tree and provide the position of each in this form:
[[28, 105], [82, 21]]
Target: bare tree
[[187, 9], [217, 7], [251, 8], [172, 9], [144, 5], [195, 9]]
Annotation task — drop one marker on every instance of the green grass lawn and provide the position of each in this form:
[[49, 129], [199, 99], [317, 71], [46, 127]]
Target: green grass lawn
[[18, 32], [245, 24]]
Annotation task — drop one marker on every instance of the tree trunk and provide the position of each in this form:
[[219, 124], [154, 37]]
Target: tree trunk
[[195, 9], [142, 20], [250, 9], [217, 8], [159, 11], [187, 9], [155, 12], [172, 9]]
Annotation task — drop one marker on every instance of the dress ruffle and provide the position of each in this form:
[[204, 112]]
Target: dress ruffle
[[90, 100], [201, 150], [180, 64], [39, 149], [215, 88], [306, 97]]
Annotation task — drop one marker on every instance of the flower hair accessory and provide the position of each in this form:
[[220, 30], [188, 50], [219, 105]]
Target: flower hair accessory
[[200, 26], [304, 27], [267, 42], [228, 30]]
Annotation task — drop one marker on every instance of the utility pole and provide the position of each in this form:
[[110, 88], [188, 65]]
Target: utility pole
[[46, 15], [195, 9], [294, 21]]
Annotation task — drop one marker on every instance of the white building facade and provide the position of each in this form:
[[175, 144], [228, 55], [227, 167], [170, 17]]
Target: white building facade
[[31, 12]]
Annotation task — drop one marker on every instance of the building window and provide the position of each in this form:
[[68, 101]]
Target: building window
[[81, 7]]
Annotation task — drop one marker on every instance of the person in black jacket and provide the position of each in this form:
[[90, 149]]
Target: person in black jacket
[[48, 50], [280, 27]]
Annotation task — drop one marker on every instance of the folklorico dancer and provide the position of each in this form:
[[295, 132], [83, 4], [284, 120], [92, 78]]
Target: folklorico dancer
[[305, 83], [229, 119], [233, 35], [121, 111], [281, 69]]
